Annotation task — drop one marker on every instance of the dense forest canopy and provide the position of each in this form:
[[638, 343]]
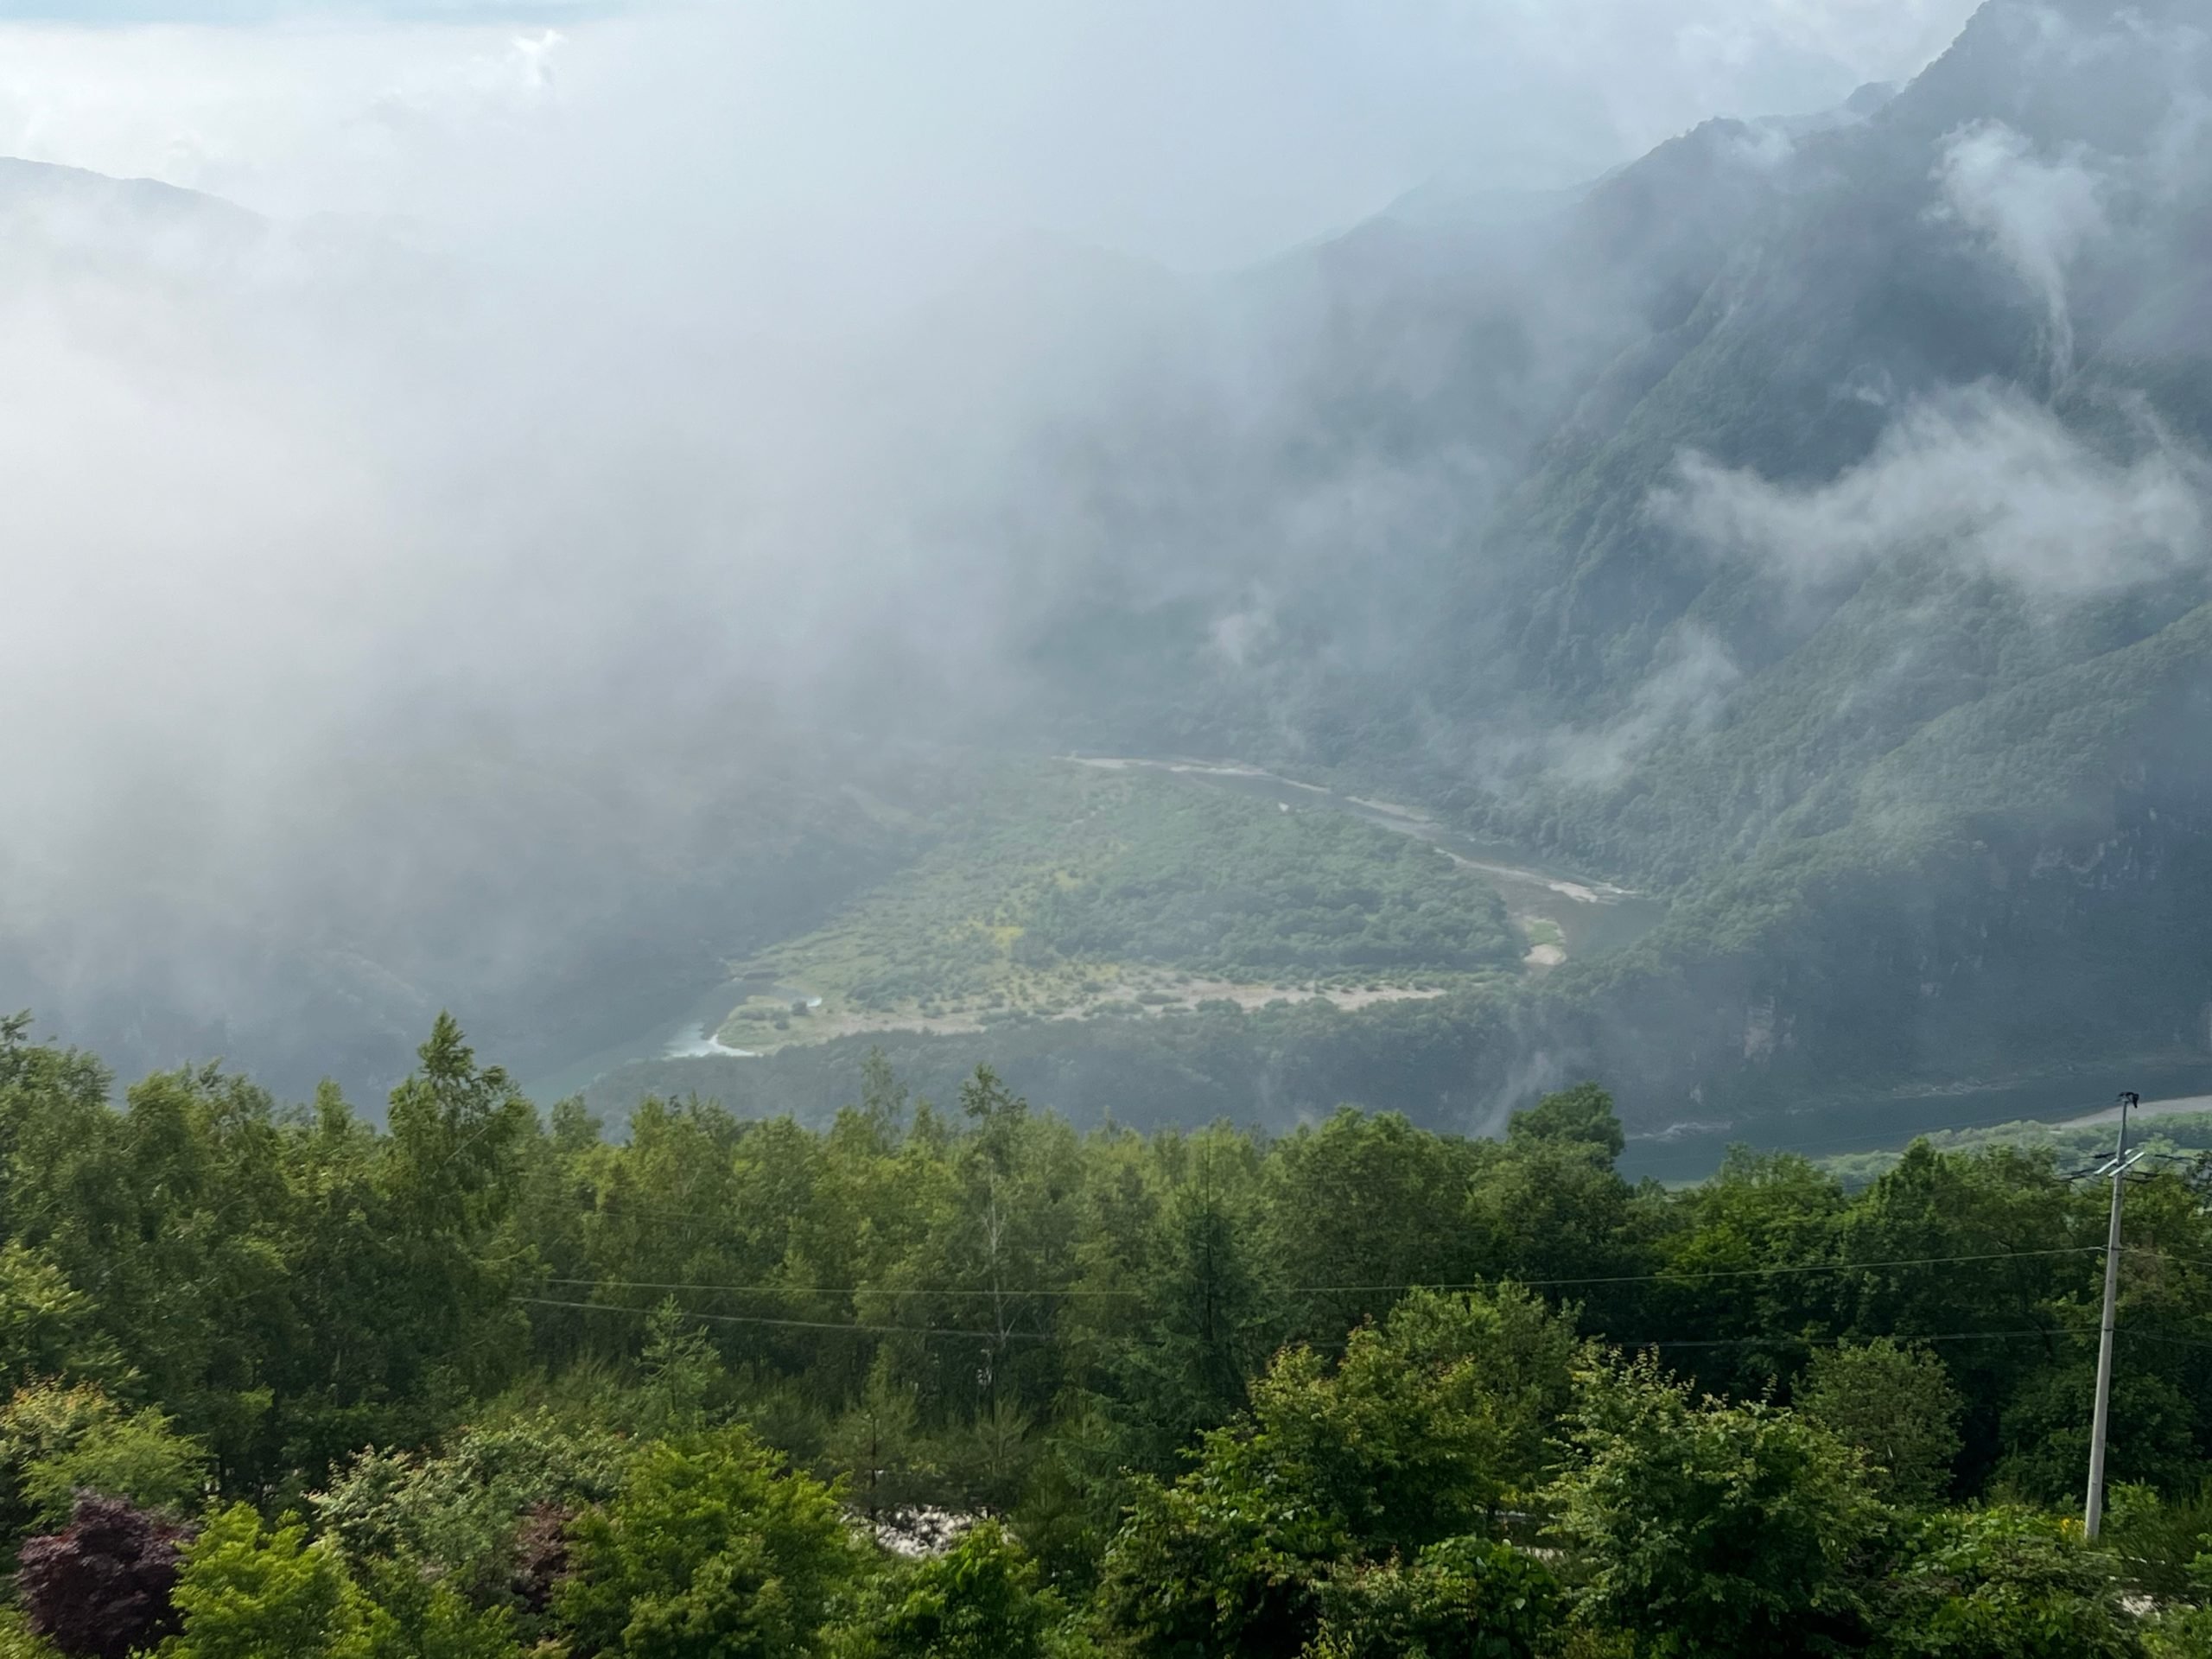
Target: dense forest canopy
[[958, 1378]]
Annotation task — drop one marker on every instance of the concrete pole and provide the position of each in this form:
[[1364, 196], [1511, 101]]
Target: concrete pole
[[2093, 1514]]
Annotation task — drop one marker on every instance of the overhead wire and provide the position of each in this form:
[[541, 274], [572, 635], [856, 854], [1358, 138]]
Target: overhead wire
[[2166, 1256], [1878, 1140], [1666, 1275], [1663, 1276], [801, 1325], [2152, 1336], [2042, 1333]]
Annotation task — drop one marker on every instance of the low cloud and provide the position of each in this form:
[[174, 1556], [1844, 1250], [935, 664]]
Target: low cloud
[[1686, 693], [1683, 695], [2036, 216], [1236, 636], [1984, 478]]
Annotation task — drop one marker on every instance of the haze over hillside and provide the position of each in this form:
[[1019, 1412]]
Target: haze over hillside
[[1793, 537]]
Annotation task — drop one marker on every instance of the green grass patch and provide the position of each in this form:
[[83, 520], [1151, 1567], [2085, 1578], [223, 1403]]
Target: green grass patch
[[1061, 886]]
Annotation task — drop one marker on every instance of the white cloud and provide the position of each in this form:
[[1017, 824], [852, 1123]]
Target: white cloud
[[2036, 215], [1685, 692], [1984, 478], [1199, 134], [1236, 635]]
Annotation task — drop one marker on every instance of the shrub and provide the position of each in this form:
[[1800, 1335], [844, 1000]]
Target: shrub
[[978, 1600], [1463, 1599], [1712, 1529], [55, 1441], [249, 1592], [2010, 1583], [103, 1585], [708, 1552]]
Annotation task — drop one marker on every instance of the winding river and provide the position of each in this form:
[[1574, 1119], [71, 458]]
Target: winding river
[[1590, 916]]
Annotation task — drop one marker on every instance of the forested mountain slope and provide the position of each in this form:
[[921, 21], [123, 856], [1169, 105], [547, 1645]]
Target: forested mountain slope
[[1906, 556], [1842, 575]]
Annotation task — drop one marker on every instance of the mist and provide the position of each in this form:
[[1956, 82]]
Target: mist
[[1981, 478], [538, 439]]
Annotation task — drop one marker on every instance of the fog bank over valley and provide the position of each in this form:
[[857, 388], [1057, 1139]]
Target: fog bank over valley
[[616, 524]]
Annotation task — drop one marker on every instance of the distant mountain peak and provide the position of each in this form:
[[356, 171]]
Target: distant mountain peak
[[2109, 74], [1870, 99], [53, 182]]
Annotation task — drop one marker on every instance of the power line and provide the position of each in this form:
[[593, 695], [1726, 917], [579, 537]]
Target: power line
[[2044, 1333], [1884, 1140], [2171, 1342], [618, 1206], [1668, 1275], [615, 1204], [831, 1290], [801, 1325], [2039, 1333], [2164, 1255], [1678, 1276], [2102, 1168], [1876, 1140]]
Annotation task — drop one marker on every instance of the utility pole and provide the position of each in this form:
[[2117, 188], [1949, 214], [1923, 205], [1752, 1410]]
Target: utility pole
[[2093, 1514]]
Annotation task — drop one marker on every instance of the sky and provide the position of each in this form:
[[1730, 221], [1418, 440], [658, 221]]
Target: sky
[[1199, 136]]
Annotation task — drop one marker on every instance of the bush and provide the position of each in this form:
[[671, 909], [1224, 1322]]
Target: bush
[[1464, 1599], [2165, 1544], [104, 1586], [1712, 1529], [1897, 1405], [708, 1552], [2010, 1583], [1429, 1420], [19, 1640], [56, 1440], [249, 1593], [978, 1600], [471, 1513]]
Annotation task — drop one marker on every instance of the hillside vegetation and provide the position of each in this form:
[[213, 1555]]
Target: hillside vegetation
[[2181, 1139], [1061, 890], [961, 1380], [1777, 526], [1847, 581]]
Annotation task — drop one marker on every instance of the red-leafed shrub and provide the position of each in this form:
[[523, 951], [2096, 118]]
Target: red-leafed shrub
[[101, 1586]]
